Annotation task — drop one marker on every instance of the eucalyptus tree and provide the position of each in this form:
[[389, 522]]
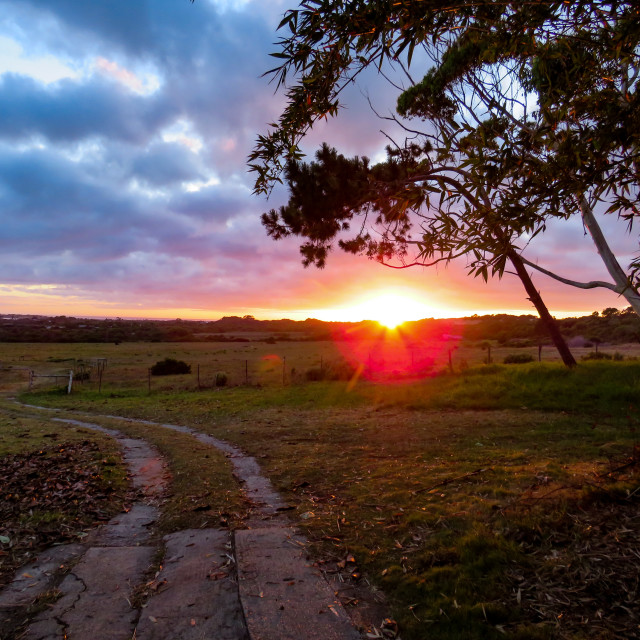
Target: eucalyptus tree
[[406, 215], [525, 111]]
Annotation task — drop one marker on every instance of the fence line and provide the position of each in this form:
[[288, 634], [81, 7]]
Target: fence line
[[413, 362], [69, 377]]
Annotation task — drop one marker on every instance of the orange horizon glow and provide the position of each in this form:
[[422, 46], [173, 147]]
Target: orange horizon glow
[[388, 307], [391, 306]]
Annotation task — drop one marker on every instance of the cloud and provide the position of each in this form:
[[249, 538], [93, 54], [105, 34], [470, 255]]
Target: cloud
[[68, 111], [123, 141], [165, 164]]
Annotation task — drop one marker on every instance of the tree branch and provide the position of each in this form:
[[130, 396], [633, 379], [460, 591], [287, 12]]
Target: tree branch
[[422, 264], [580, 285], [623, 284]]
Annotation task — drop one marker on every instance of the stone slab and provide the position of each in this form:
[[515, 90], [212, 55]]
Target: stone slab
[[95, 602], [38, 576], [32, 580], [200, 596], [282, 595], [126, 529]]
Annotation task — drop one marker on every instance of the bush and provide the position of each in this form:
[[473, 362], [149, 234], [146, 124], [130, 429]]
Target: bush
[[170, 367], [221, 379], [332, 371], [518, 358], [597, 355], [315, 375]]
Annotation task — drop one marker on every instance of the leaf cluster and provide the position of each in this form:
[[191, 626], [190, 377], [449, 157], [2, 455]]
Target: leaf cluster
[[524, 109]]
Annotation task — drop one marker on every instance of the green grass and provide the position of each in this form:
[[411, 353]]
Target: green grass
[[436, 487], [599, 388], [201, 489]]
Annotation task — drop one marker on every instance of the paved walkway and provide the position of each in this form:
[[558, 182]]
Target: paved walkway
[[251, 584]]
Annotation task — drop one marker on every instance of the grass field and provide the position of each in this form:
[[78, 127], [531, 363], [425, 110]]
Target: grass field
[[501, 501], [255, 363]]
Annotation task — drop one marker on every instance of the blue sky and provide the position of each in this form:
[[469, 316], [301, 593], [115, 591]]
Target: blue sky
[[124, 132]]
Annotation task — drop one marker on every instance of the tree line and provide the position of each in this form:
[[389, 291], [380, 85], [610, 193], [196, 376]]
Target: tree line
[[611, 326]]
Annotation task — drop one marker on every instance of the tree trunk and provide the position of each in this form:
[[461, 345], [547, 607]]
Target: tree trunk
[[547, 319], [623, 285]]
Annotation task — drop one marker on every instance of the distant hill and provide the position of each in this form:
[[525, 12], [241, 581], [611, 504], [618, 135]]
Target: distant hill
[[611, 326]]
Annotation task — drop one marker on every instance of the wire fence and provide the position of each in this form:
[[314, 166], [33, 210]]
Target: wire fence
[[252, 365]]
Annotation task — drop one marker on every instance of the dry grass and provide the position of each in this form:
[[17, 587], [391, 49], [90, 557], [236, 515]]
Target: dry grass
[[256, 363], [465, 518]]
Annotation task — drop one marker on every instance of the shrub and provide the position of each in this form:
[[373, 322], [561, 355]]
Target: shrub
[[518, 358], [314, 375], [170, 367], [519, 342], [597, 355], [221, 379], [332, 371]]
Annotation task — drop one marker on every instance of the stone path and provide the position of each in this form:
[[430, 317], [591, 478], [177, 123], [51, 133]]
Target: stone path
[[251, 584], [112, 560]]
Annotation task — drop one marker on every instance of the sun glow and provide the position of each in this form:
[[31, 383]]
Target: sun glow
[[390, 309]]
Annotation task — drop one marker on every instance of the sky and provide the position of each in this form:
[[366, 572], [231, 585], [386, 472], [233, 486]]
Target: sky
[[124, 191]]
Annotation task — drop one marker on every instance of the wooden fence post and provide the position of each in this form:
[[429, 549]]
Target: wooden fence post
[[70, 381]]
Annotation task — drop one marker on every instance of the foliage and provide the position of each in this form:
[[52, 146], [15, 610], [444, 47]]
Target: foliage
[[486, 170], [614, 327], [170, 367], [518, 358], [338, 370], [597, 355], [221, 379]]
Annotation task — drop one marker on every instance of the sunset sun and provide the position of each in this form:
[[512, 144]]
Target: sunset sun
[[392, 309]]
